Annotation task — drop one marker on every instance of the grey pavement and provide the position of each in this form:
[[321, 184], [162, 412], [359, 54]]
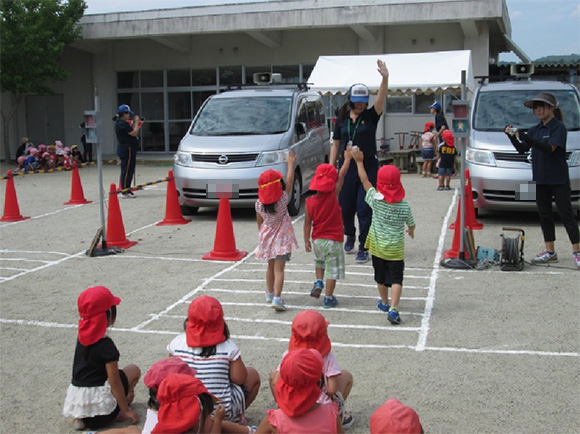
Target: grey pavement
[[477, 351]]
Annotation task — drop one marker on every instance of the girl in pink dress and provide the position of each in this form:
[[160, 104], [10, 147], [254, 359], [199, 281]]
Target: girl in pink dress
[[276, 233]]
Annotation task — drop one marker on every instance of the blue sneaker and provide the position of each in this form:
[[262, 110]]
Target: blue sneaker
[[362, 256], [278, 304], [330, 302], [383, 307], [269, 296], [349, 244], [317, 289], [393, 316]]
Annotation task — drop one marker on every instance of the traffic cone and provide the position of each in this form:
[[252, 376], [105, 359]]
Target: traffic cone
[[470, 220], [77, 197], [224, 247], [115, 228], [11, 208], [453, 252], [173, 214]]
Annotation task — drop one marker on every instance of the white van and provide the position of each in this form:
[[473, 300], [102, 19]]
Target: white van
[[499, 175], [237, 135]]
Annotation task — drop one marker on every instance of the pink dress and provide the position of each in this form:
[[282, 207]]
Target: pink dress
[[276, 235], [320, 420]]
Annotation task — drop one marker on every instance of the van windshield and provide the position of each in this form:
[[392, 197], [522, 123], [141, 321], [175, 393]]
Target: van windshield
[[243, 116], [496, 109]]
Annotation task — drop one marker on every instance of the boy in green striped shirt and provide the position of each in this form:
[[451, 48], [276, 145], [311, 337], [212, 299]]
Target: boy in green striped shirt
[[386, 237]]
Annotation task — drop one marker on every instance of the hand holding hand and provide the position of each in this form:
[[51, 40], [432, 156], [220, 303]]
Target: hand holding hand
[[357, 154], [382, 68], [348, 153]]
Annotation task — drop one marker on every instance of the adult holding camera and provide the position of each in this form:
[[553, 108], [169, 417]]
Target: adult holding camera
[[357, 126], [547, 141], [127, 128]]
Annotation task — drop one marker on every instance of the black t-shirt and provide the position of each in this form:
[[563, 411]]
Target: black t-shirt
[[447, 154], [439, 122], [91, 372], [122, 129], [362, 133], [550, 167]]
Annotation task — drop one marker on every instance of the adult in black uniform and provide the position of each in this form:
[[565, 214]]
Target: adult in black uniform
[[127, 146], [357, 126], [440, 121], [547, 140]]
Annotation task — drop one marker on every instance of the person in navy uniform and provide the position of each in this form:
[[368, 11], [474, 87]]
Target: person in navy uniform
[[127, 129]]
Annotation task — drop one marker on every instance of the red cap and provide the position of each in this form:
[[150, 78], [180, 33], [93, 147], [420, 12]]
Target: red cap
[[309, 331], [428, 126], [270, 187], [395, 418], [448, 137], [389, 184], [92, 304], [205, 322], [179, 408], [297, 389], [163, 368], [324, 180]]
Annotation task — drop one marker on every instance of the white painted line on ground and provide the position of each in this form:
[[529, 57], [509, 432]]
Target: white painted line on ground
[[43, 215], [421, 342], [516, 352], [309, 282], [24, 260], [50, 264], [39, 252], [306, 295], [13, 269]]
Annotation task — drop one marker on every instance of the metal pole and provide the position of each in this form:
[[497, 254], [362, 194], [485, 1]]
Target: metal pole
[[462, 177], [100, 169]]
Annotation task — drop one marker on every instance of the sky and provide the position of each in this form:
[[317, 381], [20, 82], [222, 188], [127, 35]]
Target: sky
[[539, 27]]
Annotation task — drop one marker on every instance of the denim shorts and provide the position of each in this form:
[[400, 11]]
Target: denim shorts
[[443, 171]]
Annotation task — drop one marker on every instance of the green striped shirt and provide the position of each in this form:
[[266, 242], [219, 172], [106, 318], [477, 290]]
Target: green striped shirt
[[386, 238]]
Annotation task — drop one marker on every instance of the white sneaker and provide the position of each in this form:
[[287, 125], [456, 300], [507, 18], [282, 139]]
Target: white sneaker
[[545, 257]]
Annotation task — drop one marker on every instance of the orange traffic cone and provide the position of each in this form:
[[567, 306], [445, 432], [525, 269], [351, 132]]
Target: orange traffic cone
[[115, 228], [173, 214], [224, 247], [470, 220], [453, 252], [77, 197], [11, 208]]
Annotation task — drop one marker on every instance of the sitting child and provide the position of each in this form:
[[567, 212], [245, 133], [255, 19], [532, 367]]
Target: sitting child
[[395, 418]]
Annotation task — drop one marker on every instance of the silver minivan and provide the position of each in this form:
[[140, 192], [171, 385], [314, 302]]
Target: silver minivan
[[501, 177], [236, 135]]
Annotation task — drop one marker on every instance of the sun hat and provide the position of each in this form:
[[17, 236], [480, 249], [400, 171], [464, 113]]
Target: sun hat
[[428, 126], [179, 408], [545, 97], [205, 322], [297, 389], [270, 187], [163, 368], [435, 106], [21, 159], [58, 144], [359, 93], [389, 184], [324, 179], [45, 154], [93, 303], [309, 331], [448, 137], [124, 108], [396, 418]]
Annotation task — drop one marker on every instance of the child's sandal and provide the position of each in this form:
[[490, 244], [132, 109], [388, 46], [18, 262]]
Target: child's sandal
[[78, 424]]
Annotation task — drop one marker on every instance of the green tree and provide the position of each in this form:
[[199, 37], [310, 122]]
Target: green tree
[[33, 35]]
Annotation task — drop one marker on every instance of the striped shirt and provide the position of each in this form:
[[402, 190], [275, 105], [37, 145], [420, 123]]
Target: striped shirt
[[386, 237]]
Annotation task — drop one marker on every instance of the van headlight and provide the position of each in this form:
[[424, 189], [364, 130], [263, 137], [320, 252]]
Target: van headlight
[[183, 159], [271, 158], [477, 156], [574, 159]]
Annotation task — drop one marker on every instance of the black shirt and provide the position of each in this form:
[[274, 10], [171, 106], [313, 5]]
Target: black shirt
[[91, 372], [550, 167], [362, 133], [122, 129]]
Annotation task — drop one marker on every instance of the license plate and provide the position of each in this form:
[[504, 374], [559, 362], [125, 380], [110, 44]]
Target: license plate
[[217, 190], [526, 191]]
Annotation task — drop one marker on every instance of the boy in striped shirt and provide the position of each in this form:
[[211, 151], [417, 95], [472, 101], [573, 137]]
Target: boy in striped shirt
[[386, 237]]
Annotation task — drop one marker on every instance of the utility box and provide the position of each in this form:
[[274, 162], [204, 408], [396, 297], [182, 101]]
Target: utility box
[[460, 122]]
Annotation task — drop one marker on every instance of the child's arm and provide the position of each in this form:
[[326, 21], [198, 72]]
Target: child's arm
[[343, 169], [260, 220], [238, 372], [290, 175], [331, 385], [358, 156], [411, 231], [218, 419], [266, 428], [307, 230], [118, 391]]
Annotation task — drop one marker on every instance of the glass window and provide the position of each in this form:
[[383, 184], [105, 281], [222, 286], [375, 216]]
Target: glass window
[[152, 103], [290, 73], [131, 99], [153, 137], [180, 77], [251, 70], [199, 98], [176, 132], [230, 75], [151, 78], [306, 71], [422, 102], [127, 79], [399, 104], [450, 96], [179, 105], [204, 77]]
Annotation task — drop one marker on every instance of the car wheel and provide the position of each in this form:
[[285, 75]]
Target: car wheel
[[189, 210], [295, 198]]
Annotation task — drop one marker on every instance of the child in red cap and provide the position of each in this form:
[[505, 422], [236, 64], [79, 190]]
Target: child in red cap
[[427, 148], [395, 418], [99, 392], [296, 392], [276, 235], [386, 239], [447, 153], [309, 330], [206, 347], [323, 222]]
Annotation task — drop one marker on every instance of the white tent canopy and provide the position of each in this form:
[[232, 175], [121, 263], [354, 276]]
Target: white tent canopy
[[409, 73]]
